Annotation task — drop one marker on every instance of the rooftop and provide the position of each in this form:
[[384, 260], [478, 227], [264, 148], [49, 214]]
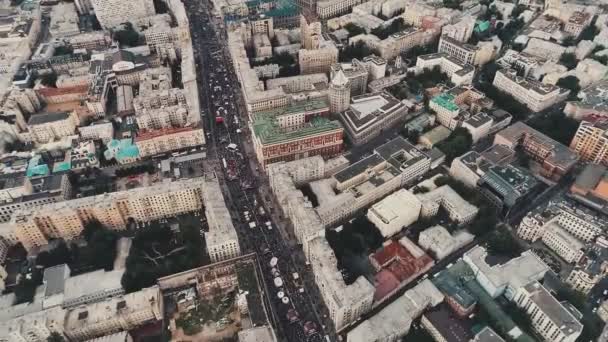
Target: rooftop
[[512, 177], [560, 155], [269, 132], [446, 100], [556, 312], [478, 120], [39, 119], [366, 110], [450, 327], [530, 83], [516, 273], [487, 335]]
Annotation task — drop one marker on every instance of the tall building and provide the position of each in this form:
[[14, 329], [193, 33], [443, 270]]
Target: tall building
[[111, 13], [591, 140], [339, 93], [356, 73], [310, 32]]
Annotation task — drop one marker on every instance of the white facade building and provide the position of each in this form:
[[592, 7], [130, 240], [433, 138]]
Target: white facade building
[[394, 212], [505, 278], [535, 95], [561, 242], [440, 243], [458, 209], [549, 317]]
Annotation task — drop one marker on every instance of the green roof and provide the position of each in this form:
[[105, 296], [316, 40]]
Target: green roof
[[305, 106], [482, 26], [266, 129], [121, 149], [285, 8], [461, 274], [446, 101], [62, 166], [34, 168]]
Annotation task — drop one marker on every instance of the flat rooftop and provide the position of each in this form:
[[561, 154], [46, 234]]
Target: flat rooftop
[[39, 119]]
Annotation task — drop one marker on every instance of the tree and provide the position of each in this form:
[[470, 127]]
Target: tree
[[602, 59], [353, 29], [126, 35], [508, 32], [49, 80], [441, 180], [568, 59], [556, 125], [489, 71], [59, 255], [55, 337], [26, 287], [359, 50], [101, 246], [501, 242], [459, 142], [589, 33], [519, 9], [571, 83], [569, 41], [395, 26]]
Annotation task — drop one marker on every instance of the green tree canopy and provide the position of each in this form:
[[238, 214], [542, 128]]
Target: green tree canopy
[[568, 59]]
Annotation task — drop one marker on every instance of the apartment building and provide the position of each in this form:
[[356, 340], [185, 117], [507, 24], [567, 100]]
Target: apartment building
[[440, 243], [461, 30], [124, 312], [458, 105], [396, 43], [535, 95], [591, 140], [561, 242], [221, 239], [318, 60], [32, 192], [459, 210], [91, 40], [458, 72], [47, 127], [103, 131], [295, 84], [555, 159], [283, 178], [332, 8], [345, 303], [577, 22], [165, 140], [255, 96], [66, 219], [463, 52], [112, 13], [549, 317]]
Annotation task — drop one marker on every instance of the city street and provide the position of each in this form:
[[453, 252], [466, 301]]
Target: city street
[[297, 309]]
